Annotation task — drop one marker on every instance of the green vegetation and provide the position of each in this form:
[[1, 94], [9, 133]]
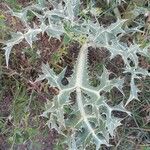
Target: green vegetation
[[75, 74]]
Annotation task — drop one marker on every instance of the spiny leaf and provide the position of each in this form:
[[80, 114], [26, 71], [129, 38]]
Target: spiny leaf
[[30, 36], [106, 84], [16, 39], [87, 116], [7, 53], [133, 91], [48, 74], [101, 35], [21, 15], [128, 53], [135, 74], [88, 108], [55, 31], [71, 8]]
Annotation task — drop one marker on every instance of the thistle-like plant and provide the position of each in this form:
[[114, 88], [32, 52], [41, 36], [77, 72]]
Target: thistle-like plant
[[88, 119]]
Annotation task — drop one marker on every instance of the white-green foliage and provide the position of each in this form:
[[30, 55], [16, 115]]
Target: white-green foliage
[[89, 118], [116, 1]]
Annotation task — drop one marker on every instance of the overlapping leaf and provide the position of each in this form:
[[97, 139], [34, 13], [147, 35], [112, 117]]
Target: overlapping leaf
[[84, 116], [87, 115]]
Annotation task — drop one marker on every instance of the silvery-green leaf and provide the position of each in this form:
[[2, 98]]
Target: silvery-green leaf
[[41, 2], [126, 52], [16, 39], [30, 36], [121, 107], [112, 123], [135, 74], [55, 3], [48, 74], [55, 31], [87, 99], [133, 92], [116, 28], [139, 10], [7, 53], [101, 35], [71, 8], [43, 27], [55, 14], [21, 15]]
